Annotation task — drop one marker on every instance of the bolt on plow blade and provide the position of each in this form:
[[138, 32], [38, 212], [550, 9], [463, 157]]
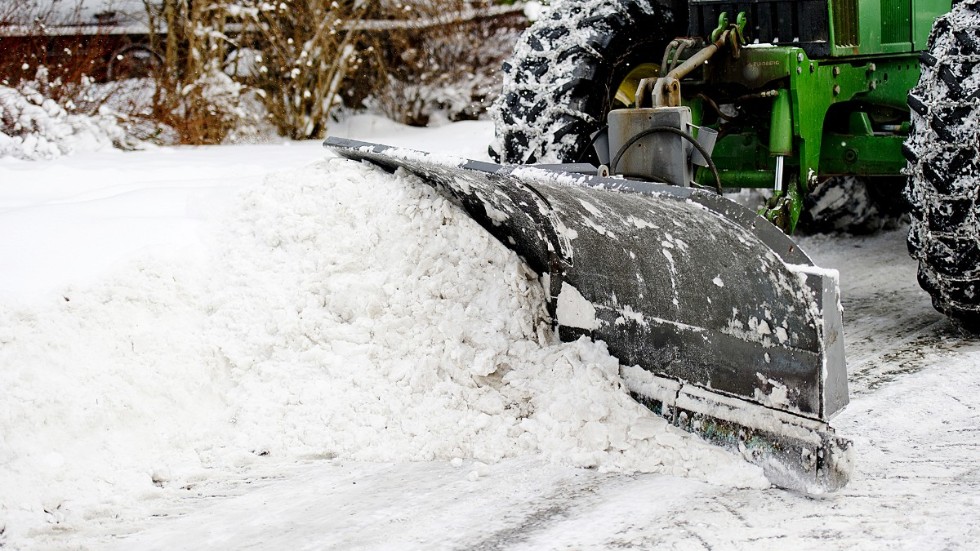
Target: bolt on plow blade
[[727, 328]]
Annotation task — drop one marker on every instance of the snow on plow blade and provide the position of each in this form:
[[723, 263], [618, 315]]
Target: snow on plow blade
[[730, 330]]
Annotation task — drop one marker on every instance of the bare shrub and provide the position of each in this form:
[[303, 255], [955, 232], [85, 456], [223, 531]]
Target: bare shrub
[[193, 95], [306, 47], [408, 59], [448, 60]]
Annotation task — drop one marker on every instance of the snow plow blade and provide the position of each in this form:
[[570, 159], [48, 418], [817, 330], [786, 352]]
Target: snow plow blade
[[727, 327]]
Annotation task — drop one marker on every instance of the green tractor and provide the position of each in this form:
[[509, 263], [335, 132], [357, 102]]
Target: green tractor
[[837, 106]]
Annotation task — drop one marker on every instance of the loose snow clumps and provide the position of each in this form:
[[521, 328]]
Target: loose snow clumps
[[343, 314]]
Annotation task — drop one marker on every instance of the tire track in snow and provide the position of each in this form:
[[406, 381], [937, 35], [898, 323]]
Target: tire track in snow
[[890, 327]]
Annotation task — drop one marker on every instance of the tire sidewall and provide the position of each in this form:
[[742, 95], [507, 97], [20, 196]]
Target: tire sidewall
[[547, 111]]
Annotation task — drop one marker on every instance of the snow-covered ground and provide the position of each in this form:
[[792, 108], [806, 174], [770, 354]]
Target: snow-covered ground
[[260, 347]]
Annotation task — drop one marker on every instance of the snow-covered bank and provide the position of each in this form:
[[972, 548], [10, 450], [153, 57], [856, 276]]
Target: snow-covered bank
[[72, 219], [331, 313]]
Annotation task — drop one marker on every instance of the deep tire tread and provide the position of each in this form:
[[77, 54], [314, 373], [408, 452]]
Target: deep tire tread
[[556, 86], [944, 168]]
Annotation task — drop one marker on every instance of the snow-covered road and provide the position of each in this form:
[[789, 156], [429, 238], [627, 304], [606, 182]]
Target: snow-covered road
[[118, 236], [914, 417]]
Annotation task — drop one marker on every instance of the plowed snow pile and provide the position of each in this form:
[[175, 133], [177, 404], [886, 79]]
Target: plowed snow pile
[[342, 313]]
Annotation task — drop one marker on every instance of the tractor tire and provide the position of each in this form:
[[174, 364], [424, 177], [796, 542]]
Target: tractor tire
[[559, 84], [944, 166], [855, 205]]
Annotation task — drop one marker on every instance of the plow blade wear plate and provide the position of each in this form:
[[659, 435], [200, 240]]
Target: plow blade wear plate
[[685, 284]]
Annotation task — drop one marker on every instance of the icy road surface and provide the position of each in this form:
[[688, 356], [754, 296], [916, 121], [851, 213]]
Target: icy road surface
[[73, 224]]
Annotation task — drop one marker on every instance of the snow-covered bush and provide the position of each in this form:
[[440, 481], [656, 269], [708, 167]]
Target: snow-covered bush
[[305, 49], [212, 108], [50, 101], [193, 95], [33, 125], [449, 71]]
